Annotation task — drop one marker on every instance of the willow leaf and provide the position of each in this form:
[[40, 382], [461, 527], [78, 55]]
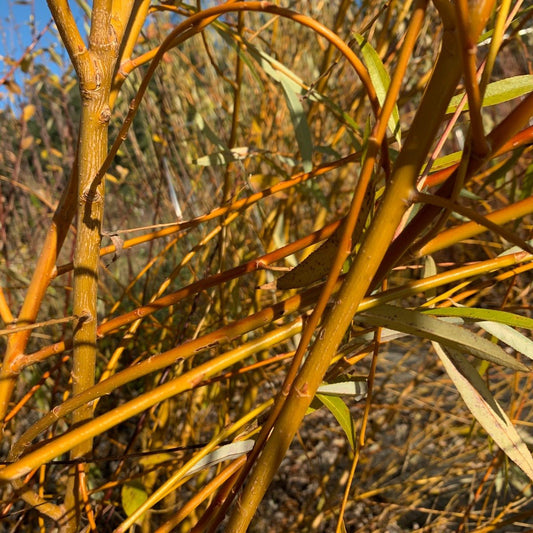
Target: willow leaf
[[509, 336], [381, 81], [476, 313], [499, 91], [429, 327], [356, 389], [224, 453], [485, 408], [299, 123], [341, 412]]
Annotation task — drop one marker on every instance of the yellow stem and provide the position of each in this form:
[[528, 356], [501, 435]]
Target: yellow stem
[[395, 202]]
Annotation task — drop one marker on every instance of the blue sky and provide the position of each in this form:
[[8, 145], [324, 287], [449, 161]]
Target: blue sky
[[20, 21]]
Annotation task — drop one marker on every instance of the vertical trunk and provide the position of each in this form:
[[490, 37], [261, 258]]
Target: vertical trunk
[[92, 150]]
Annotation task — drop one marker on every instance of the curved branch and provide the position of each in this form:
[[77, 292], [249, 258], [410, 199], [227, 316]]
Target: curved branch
[[70, 34]]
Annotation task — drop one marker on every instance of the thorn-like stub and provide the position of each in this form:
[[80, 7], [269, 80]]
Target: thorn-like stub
[[90, 196], [411, 197], [303, 391], [85, 316], [105, 115]]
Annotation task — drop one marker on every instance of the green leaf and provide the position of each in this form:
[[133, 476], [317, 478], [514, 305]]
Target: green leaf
[[381, 81], [475, 313], [299, 122], [429, 327], [207, 131], [485, 408], [446, 161], [133, 495], [499, 92], [341, 412]]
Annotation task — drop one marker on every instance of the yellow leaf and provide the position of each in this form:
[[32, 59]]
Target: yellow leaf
[[157, 139], [110, 177], [26, 142], [12, 87], [156, 459], [72, 83], [34, 79], [133, 495], [28, 112]]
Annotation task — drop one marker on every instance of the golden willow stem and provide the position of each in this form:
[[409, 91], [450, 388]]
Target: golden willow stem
[[201, 495], [128, 18], [500, 25], [475, 217], [520, 139], [170, 484], [468, 25], [71, 37], [95, 73], [441, 241], [465, 231], [197, 23], [190, 290], [41, 278], [500, 139], [44, 269], [376, 139], [395, 294], [5, 310], [381, 232]]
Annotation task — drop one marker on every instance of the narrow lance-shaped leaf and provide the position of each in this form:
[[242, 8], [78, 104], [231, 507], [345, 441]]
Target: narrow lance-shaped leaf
[[318, 264], [224, 453], [172, 190], [428, 327], [278, 71], [509, 336], [341, 412], [485, 408], [381, 80], [499, 92], [355, 388], [292, 90], [475, 313], [207, 131], [299, 122]]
